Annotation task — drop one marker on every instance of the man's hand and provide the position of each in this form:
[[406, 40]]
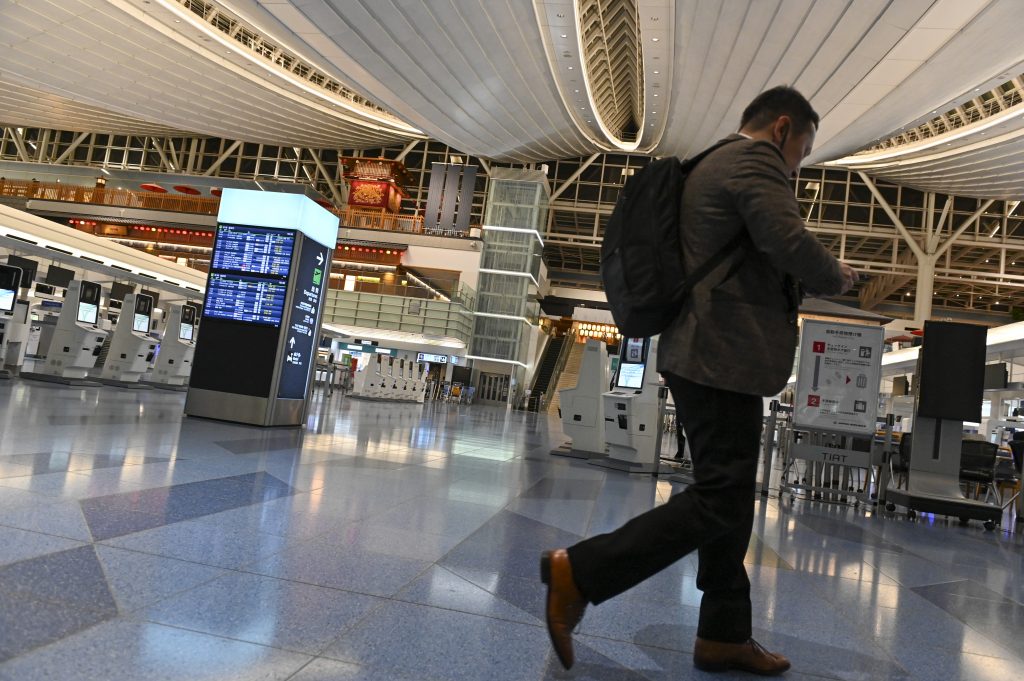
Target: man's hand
[[850, 277]]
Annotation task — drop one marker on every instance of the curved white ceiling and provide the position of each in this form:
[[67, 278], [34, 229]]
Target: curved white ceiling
[[472, 73], [984, 159], [29, 107], [153, 60], [496, 78]]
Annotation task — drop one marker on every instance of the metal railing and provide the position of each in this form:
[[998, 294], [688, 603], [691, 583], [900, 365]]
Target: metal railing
[[128, 198], [352, 217]]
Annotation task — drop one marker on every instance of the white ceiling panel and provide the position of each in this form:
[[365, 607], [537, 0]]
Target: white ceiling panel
[[28, 107], [492, 77], [471, 73], [151, 60]]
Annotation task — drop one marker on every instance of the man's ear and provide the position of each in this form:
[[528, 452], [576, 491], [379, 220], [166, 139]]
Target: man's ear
[[781, 129]]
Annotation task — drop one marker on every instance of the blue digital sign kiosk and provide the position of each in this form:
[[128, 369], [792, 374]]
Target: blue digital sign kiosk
[[269, 272]]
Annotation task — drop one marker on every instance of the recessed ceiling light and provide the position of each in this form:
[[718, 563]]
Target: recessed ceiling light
[[654, 40], [177, 21], [583, 108], [657, 72], [655, 94], [654, 112], [575, 90], [570, 68], [564, 35]]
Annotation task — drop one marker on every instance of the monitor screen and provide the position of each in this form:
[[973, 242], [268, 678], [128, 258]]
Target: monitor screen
[[186, 331], [28, 269], [7, 298], [10, 278], [634, 350], [88, 312], [631, 376], [245, 299], [143, 313], [58, 276], [632, 363], [118, 291], [253, 250], [88, 302], [188, 315]]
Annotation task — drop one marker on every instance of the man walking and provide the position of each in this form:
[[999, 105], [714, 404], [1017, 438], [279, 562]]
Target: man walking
[[732, 343]]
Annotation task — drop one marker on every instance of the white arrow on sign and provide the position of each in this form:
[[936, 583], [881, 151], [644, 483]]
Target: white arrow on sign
[[291, 342], [319, 258]]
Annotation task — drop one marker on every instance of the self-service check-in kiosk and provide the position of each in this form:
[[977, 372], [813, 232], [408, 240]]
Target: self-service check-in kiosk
[[378, 377], [177, 347], [633, 409], [10, 280], [360, 380], [131, 347], [397, 379], [77, 338], [421, 382], [582, 407]]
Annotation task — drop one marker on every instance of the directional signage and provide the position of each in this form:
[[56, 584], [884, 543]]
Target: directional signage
[[311, 276], [433, 359], [838, 377]]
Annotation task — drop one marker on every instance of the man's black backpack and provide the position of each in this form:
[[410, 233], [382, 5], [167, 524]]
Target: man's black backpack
[[642, 257]]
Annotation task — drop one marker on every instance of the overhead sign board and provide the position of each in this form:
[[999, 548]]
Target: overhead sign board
[[433, 359], [838, 377]]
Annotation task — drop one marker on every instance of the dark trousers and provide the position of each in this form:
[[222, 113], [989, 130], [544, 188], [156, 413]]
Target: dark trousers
[[713, 516]]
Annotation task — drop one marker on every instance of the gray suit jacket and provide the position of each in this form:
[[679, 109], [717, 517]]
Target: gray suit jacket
[[738, 330]]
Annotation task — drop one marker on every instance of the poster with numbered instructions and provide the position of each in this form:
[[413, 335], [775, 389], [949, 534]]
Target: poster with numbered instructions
[[838, 377]]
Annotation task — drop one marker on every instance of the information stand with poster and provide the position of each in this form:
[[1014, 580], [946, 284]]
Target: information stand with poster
[[834, 419], [838, 377]]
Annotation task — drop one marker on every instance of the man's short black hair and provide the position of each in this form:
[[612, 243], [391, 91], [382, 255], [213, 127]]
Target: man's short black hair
[[779, 101]]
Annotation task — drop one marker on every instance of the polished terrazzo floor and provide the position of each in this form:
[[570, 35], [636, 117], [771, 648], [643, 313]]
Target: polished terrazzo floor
[[400, 542]]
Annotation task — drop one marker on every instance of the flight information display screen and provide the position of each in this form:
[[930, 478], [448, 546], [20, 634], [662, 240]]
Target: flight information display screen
[[253, 250], [249, 274], [245, 299]]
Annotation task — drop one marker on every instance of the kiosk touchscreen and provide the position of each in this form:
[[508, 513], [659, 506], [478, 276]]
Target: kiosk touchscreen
[[131, 346], [143, 314], [77, 340], [10, 280], [88, 303], [187, 326], [632, 364]]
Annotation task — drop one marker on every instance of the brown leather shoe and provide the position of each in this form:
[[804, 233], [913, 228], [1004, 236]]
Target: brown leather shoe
[[565, 603], [713, 656]]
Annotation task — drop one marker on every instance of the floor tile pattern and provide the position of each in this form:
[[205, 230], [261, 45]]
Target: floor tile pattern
[[400, 543]]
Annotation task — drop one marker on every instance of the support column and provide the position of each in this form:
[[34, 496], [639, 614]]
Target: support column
[[925, 288]]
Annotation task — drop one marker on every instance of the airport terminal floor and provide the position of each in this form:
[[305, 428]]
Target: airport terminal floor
[[400, 542]]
